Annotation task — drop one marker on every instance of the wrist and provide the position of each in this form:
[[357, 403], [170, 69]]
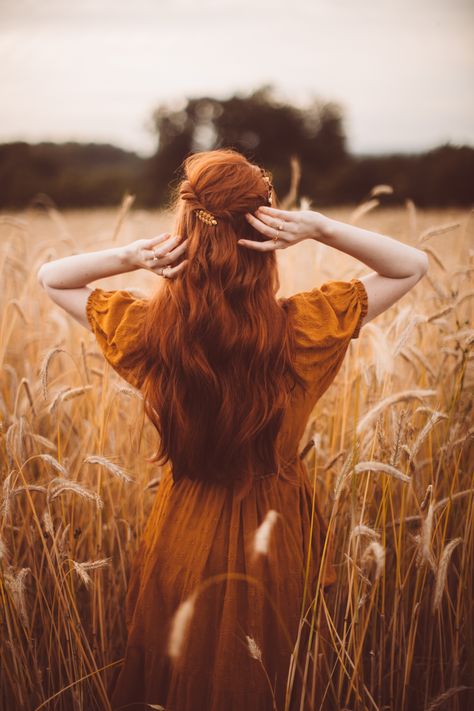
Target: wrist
[[322, 227], [125, 256]]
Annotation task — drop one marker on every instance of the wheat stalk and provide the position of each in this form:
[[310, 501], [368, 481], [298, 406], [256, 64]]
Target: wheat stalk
[[63, 544], [424, 552], [376, 552], [382, 467], [19, 309], [4, 554], [67, 394], [261, 540], [427, 497], [370, 416], [127, 203], [440, 700], [442, 572], [434, 419], [110, 466], [180, 624], [436, 257], [26, 386], [10, 442], [381, 190], [48, 522], [434, 231], [439, 314], [54, 463], [7, 490], [58, 486], [83, 568], [131, 392], [45, 367], [43, 441], [16, 586], [442, 293], [422, 359], [363, 209], [254, 649], [406, 333], [362, 530]]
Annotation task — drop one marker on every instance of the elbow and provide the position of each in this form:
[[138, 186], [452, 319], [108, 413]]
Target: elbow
[[424, 264], [40, 274]]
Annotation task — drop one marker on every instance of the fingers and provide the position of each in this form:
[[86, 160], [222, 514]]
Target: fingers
[[153, 241], [171, 272], [276, 223], [165, 244], [260, 246], [163, 254], [276, 213], [259, 225], [172, 256]]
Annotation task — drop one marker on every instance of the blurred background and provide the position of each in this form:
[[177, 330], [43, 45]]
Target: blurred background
[[101, 98]]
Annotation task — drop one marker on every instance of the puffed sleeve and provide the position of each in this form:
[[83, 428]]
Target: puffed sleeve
[[116, 318], [325, 319]]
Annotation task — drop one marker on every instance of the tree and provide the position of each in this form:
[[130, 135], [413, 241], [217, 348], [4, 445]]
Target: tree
[[265, 130]]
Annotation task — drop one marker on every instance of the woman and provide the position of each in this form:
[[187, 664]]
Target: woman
[[229, 375]]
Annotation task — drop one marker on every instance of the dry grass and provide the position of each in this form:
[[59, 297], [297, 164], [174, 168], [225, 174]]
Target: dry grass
[[393, 465]]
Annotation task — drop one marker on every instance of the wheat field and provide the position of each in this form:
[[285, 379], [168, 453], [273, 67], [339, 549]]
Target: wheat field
[[390, 448]]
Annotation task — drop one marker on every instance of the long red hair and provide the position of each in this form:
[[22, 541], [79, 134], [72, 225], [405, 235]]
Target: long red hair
[[219, 348]]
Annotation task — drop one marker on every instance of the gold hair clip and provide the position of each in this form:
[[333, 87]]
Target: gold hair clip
[[270, 186], [206, 217]]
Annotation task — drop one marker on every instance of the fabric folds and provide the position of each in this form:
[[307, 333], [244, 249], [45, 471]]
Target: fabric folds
[[116, 317]]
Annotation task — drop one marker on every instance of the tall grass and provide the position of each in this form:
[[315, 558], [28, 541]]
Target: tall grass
[[390, 450]]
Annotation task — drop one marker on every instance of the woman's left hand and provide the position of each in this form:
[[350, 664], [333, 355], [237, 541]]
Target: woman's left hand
[[157, 254], [283, 228]]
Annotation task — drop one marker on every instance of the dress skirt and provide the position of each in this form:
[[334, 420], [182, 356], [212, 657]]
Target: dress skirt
[[240, 565]]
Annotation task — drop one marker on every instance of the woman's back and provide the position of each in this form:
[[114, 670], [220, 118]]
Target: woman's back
[[237, 566]]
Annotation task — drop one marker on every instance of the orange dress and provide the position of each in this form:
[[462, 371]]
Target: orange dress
[[198, 532]]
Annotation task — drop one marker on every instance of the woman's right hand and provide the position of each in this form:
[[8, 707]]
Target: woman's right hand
[[283, 228], [157, 254]]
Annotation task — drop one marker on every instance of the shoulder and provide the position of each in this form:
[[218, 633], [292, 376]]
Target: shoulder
[[117, 319], [110, 306], [323, 322], [115, 313], [332, 311]]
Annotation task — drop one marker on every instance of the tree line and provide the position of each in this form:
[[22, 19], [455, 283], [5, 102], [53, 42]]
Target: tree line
[[269, 132]]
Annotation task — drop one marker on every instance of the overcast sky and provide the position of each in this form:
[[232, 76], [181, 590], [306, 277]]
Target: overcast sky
[[93, 70]]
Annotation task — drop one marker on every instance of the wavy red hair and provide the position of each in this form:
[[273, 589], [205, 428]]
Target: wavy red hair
[[219, 347]]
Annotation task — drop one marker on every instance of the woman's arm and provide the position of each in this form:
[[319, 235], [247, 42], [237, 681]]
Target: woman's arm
[[385, 255], [65, 279], [397, 266], [79, 269]]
